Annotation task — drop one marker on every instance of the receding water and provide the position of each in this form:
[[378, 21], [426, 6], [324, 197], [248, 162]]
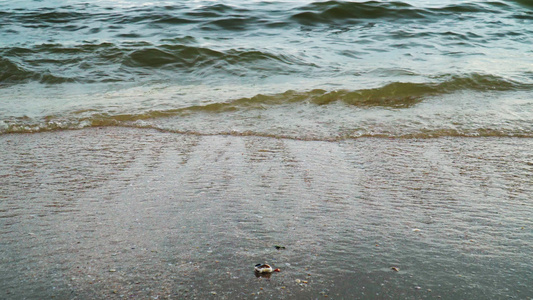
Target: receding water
[[121, 213]]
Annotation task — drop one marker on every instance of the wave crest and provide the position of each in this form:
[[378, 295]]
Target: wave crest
[[105, 62], [340, 11], [394, 98], [11, 73]]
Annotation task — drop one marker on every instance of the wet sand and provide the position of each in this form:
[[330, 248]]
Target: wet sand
[[128, 213]]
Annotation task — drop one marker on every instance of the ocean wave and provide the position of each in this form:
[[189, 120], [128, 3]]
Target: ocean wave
[[393, 95], [209, 41], [346, 12], [525, 3], [205, 61], [243, 17], [48, 17], [11, 73], [82, 65], [296, 110], [337, 11], [104, 62], [109, 62]]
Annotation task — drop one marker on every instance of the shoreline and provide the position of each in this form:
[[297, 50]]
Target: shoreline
[[118, 212]]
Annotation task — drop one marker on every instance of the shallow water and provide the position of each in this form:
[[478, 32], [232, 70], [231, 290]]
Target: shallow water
[[300, 69], [109, 213], [359, 135]]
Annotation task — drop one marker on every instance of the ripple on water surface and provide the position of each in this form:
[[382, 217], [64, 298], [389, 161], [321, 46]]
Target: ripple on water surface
[[173, 214]]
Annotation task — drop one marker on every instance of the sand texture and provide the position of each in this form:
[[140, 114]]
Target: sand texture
[[115, 213]]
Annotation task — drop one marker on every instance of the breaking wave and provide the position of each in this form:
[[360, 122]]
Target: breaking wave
[[207, 118]]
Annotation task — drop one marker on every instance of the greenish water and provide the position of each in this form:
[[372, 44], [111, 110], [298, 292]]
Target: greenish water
[[299, 69], [360, 135]]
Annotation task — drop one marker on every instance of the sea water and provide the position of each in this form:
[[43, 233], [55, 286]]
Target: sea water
[[321, 70], [386, 145]]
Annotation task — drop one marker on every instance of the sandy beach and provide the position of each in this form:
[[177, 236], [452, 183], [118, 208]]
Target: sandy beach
[[368, 149], [124, 213]]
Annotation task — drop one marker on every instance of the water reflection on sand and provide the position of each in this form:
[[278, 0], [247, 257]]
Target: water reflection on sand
[[116, 212]]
